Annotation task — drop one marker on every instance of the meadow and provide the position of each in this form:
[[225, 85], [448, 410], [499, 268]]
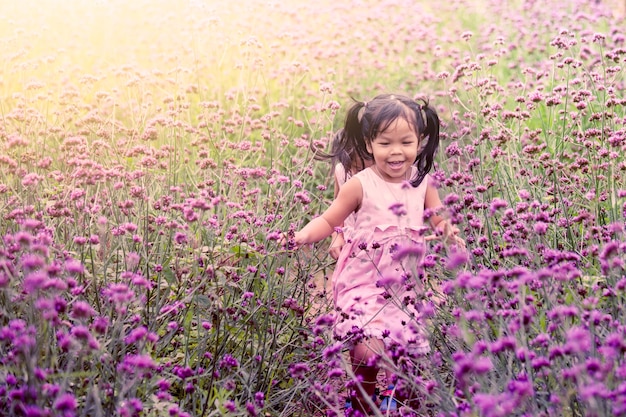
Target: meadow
[[152, 154]]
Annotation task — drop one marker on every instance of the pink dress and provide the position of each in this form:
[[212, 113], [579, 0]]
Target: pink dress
[[376, 279]]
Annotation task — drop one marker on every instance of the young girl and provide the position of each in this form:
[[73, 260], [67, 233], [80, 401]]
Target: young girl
[[376, 278]]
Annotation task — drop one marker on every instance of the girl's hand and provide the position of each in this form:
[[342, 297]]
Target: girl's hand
[[449, 234], [289, 240], [337, 243]]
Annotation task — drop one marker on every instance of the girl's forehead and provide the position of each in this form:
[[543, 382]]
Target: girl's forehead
[[399, 121]]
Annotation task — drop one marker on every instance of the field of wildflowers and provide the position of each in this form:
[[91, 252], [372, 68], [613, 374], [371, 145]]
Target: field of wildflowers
[[152, 152]]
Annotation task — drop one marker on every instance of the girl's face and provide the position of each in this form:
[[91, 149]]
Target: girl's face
[[394, 151]]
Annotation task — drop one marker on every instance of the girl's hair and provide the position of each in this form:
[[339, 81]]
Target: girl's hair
[[344, 151], [366, 120]]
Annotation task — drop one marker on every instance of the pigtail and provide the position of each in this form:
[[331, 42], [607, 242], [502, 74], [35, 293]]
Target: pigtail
[[354, 132], [340, 153], [428, 125], [348, 144]]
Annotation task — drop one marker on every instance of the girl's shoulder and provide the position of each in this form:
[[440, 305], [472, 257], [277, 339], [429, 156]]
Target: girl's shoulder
[[367, 178], [352, 190]]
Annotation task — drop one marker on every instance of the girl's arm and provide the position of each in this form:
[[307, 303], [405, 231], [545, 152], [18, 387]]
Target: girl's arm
[[433, 202], [337, 241], [348, 200], [437, 222]]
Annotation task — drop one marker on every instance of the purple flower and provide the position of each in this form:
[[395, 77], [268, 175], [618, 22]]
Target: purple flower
[[502, 344], [100, 324], [163, 384], [390, 280], [540, 228], [82, 310], [32, 262], [522, 387], [119, 295], [578, 340], [540, 362], [398, 209], [482, 365], [490, 405], [451, 199], [180, 238], [137, 364], [299, 370], [139, 280], [594, 390], [83, 333], [302, 197], [332, 351], [259, 399], [135, 335], [496, 204], [413, 250], [228, 361], [457, 259], [130, 408], [35, 281], [65, 402], [230, 406], [33, 411], [251, 409], [74, 267]]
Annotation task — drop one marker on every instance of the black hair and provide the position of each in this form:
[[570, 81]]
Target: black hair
[[345, 151], [366, 120]]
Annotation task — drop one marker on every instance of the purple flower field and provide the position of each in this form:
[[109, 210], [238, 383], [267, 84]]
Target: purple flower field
[[152, 153]]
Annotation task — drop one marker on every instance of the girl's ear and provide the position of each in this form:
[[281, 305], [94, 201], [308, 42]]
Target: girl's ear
[[368, 146]]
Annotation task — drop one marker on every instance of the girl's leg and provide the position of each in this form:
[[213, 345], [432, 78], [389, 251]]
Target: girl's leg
[[363, 356]]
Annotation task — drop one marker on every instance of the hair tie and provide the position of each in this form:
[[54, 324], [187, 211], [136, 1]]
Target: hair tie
[[423, 114], [362, 111]]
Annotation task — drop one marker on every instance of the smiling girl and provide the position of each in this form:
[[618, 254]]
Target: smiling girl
[[377, 281]]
